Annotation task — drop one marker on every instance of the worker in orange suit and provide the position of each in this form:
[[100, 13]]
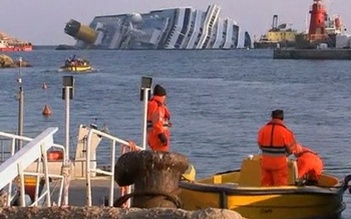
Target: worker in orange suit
[[276, 142], [158, 121], [309, 165]]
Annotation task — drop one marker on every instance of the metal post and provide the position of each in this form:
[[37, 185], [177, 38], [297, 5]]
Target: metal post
[[146, 98], [145, 90], [66, 159], [67, 102], [20, 106], [67, 94]]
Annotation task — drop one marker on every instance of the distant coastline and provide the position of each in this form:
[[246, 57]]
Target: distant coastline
[[44, 47]]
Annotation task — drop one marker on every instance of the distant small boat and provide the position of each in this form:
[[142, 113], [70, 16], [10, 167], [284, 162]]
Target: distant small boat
[[76, 65]]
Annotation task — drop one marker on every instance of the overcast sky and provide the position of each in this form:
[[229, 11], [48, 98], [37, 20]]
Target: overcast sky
[[42, 22]]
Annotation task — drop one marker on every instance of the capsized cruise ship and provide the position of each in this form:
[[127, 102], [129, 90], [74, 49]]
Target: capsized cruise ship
[[176, 28]]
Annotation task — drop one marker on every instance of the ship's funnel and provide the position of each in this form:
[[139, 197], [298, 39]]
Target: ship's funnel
[[80, 31], [275, 22]]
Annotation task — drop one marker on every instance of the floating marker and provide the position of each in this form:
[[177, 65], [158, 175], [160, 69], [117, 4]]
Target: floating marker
[[44, 86], [46, 110]]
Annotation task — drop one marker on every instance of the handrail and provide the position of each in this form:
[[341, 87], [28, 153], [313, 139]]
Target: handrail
[[89, 170], [14, 137], [13, 167]]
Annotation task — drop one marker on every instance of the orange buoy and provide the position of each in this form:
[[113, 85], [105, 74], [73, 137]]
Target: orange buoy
[[46, 110], [44, 86]]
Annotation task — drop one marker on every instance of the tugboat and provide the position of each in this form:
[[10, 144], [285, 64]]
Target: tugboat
[[74, 64], [277, 36]]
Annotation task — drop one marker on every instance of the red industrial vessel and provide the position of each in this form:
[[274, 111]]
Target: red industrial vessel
[[9, 44], [323, 28], [16, 47]]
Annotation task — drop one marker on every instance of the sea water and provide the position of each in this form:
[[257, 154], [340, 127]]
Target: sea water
[[218, 101]]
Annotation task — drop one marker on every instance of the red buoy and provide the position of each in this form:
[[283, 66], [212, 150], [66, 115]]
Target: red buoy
[[46, 110]]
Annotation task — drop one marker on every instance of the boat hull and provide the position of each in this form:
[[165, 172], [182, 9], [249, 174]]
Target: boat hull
[[258, 203], [76, 68], [241, 191], [25, 48], [274, 45], [174, 28]]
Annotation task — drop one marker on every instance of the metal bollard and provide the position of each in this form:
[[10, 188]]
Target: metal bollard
[[155, 176]]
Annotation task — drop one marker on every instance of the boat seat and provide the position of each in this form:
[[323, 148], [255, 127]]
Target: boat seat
[[250, 172]]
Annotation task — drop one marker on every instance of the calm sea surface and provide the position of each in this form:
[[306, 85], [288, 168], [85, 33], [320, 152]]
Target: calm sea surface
[[218, 101]]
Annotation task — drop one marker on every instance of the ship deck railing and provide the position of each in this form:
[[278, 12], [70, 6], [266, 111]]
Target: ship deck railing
[[13, 168], [124, 146]]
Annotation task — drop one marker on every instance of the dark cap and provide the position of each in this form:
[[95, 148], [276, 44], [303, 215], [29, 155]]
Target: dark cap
[[159, 90], [278, 114]]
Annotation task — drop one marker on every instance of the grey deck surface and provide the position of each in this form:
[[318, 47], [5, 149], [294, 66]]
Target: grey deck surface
[[100, 189]]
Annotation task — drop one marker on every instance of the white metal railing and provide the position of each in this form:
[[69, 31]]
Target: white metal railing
[[110, 174], [14, 166], [13, 138]]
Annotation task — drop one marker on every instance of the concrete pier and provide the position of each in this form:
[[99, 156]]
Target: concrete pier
[[319, 54]]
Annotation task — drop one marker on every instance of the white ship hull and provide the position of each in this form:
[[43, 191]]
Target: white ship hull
[[178, 28]]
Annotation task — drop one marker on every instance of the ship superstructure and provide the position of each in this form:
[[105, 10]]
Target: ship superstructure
[[278, 35], [8, 44], [176, 28], [324, 30]]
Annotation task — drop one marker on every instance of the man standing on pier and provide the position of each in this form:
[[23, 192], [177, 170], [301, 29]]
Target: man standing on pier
[[158, 121]]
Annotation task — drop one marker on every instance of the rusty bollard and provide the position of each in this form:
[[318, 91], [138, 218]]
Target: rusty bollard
[[155, 176]]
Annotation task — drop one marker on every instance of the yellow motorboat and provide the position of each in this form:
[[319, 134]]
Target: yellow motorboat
[[76, 68], [240, 190], [76, 65]]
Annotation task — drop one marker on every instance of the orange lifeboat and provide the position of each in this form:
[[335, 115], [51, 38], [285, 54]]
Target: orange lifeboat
[[55, 155]]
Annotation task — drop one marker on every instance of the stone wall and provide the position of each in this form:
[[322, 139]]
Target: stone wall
[[120, 213]]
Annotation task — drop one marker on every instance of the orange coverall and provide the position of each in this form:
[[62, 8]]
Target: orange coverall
[[309, 164], [158, 120], [276, 142]]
